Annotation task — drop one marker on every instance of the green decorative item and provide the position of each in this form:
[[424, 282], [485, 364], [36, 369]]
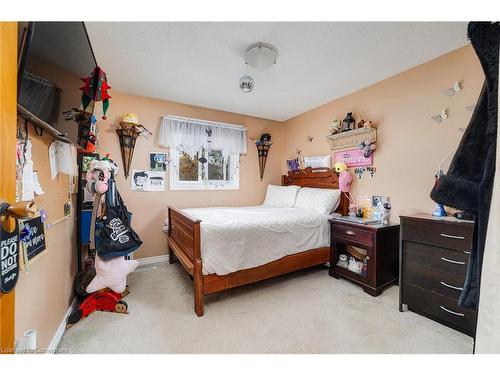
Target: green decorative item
[[96, 90]]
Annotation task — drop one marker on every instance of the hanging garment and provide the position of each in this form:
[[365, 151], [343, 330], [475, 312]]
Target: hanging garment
[[469, 182]]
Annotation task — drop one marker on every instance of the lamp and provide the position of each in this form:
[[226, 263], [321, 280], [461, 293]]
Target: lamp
[[261, 55]]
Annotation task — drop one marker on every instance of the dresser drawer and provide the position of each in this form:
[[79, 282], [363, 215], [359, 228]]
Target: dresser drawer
[[352, 233], [457, 236], [443, 283], [443, 309], [445, 260]]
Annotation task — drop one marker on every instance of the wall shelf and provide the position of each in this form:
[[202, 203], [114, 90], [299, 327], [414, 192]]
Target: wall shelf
[[352, 138], [37, 122]]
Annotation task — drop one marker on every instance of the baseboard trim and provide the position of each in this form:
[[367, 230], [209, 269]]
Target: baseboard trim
[[151, 261], [52, 349]]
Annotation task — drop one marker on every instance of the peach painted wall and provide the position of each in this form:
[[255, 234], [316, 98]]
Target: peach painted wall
[[410, 144], [150, 208], [44, 294]]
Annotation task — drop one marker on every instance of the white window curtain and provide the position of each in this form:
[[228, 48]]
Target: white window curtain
[[191, 135]]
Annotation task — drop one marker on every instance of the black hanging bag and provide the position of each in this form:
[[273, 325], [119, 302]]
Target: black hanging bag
[[114, 237]]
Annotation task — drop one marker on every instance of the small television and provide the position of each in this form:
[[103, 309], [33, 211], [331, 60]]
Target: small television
[[53, 57]]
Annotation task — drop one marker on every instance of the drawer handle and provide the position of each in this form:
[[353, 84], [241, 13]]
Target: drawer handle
[[451, 286], [451, 312], [350, 232], [453, 261], [452, 236]]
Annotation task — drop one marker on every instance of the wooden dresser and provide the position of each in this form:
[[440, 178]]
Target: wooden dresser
[[434, 254]]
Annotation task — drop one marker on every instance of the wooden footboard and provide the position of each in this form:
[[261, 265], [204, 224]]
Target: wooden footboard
[[184, 242]]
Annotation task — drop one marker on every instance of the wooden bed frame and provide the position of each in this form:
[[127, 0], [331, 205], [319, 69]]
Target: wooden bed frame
[[184, 244]]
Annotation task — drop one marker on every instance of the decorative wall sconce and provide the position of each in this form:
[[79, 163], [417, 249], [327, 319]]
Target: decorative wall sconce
[[263, 145], [128, 132]]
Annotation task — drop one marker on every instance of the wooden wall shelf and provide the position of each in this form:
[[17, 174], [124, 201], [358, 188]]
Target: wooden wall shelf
[[352, 138]]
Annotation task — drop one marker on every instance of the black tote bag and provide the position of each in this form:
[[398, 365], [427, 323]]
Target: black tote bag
[[114, 236]]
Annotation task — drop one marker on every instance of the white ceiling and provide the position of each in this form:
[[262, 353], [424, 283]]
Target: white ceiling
[[201, 63]]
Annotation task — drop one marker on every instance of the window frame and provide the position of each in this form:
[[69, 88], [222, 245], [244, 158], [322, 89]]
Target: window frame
[[176, 184]]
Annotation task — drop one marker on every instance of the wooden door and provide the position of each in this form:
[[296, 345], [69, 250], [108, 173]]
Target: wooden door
[[8, 118]]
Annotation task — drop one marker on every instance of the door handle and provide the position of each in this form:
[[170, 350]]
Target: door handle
[[452, 236], [451, 286], [451, 312], [453, 261]]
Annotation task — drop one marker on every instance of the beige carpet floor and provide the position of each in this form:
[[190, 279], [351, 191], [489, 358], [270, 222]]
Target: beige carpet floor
[[303, 312]]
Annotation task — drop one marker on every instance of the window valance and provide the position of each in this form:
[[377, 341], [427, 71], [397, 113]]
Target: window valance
[[192, 134]]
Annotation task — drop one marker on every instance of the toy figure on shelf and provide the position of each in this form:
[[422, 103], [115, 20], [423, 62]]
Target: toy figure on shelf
[[335, 127], [367, 147]]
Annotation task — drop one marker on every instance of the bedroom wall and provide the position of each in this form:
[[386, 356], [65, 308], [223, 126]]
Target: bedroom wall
[[44, 294], [150, 208], [410, 144]]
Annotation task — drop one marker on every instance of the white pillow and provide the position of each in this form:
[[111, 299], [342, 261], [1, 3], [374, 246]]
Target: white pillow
[[323, 201], [281, 196]]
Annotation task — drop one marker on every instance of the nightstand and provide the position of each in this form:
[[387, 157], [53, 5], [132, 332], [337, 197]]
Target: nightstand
[[377, 246]]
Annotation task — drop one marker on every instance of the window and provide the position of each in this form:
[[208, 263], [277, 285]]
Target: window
[[207, 170], [205, 154]]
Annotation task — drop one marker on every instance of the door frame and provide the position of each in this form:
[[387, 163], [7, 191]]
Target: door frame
[[8, 128]]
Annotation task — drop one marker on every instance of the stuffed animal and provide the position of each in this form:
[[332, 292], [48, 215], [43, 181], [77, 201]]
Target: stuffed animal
[[340, 167], [335, 127], [345, 180], [367, 148], [368, 124]]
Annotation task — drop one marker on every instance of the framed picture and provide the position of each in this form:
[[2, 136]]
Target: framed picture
[[317, 161], [147, 180], [158, 161], [376, 199]]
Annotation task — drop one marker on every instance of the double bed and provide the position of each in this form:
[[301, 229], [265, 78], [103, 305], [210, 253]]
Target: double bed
[[226, 247]]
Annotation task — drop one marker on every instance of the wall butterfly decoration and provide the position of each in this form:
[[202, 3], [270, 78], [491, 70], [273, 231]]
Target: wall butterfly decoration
[[442, 116], [453, 90], [309, 139]]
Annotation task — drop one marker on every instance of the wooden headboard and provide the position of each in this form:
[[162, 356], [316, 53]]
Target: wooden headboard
[[323, 178]]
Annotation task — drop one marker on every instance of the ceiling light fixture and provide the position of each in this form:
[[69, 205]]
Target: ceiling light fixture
[[261, 55], [246, 83]]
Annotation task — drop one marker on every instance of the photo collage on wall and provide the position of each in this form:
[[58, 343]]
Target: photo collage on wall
[[154, 178]]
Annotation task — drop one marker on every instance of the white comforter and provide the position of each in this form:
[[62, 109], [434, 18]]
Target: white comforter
[[236, 238]]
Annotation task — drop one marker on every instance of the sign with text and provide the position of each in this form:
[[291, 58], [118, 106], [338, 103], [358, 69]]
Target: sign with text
[[353, 158], [9, 259], [33, 237]]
